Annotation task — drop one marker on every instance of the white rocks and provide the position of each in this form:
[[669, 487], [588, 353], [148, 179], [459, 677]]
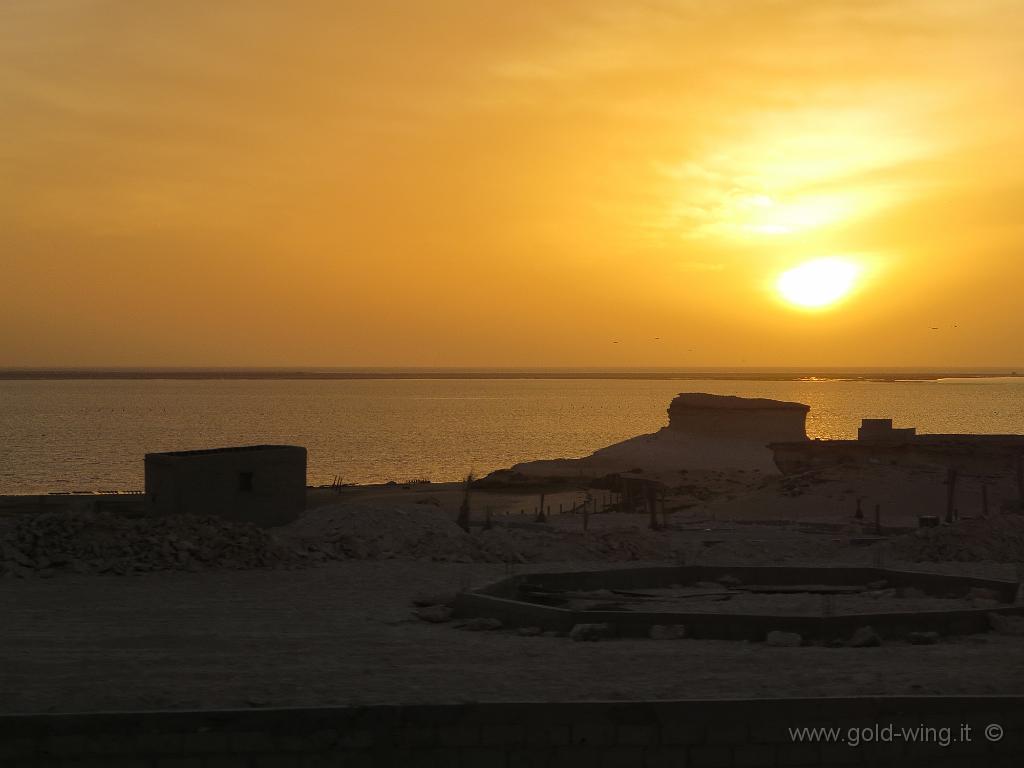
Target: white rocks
[[778, 639], [435, 614], [440, 598], [980, 597], [667, 632], [1006, 624], [482, 624], [590, 632], [103, 542], [865, 637]]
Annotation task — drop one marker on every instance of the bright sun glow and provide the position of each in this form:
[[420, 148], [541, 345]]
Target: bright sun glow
[[819, 283]]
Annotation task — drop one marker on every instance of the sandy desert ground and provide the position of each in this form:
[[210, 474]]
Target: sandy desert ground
[[117, 615], [343, 632]]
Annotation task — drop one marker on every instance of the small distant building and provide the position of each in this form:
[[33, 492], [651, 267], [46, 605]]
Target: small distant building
[[261, 484], [881, 431], [878, 443]]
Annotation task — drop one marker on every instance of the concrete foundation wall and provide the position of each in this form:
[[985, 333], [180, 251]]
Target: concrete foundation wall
[[680, 734], [503, 601], [263, 485]]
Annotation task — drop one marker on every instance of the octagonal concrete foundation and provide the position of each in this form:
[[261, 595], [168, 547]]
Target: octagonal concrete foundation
[[537, 600]]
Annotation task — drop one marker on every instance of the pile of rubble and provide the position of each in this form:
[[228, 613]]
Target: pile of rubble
[[998, 539], [102, 542], [370, 532], [422, 531]]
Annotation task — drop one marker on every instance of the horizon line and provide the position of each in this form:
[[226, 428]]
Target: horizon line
[[886, 373]]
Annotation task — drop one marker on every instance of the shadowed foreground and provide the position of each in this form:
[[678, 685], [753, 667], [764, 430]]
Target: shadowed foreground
[[344, 634]]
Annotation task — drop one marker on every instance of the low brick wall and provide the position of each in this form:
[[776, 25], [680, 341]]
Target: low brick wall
[[676, 734]]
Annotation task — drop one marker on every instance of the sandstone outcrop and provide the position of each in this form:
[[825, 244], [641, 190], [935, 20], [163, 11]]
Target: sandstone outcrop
[[705, 432], [750, 418]]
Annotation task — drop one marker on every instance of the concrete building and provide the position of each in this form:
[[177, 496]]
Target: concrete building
[[881, 431], [260, 484], [878, 443]]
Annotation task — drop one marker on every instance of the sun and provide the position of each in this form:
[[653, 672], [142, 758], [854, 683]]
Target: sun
[[819, 283]]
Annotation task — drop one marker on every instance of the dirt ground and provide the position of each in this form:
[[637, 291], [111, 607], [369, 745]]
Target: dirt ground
[[343, 633]]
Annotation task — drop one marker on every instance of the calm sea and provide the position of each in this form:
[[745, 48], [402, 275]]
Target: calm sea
[[91, 434]]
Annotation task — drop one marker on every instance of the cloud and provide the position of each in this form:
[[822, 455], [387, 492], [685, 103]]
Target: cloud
[[461, 144]]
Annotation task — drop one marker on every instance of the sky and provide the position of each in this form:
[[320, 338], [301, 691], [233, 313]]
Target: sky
[[484, 183]]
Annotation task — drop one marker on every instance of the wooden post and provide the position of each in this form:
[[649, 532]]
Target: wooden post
[[859, 514], [463, 518], [586, 517], [984, 500], [950, 493], [878, 519], [1020, 480]]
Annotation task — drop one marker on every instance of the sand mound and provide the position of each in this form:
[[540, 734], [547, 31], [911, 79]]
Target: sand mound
[[106, 543], [998, 539], [90, 542], [662, 454], [420, 531], [705, 433], [377, 532]]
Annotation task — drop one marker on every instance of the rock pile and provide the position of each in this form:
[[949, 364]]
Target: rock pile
[[998, 539], [368, 532], [103, 542], [420, 531]]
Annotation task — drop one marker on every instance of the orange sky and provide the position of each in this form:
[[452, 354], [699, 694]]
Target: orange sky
[[484, 183]]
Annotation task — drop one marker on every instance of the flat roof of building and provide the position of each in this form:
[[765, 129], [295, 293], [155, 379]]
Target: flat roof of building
[[234, 449]]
